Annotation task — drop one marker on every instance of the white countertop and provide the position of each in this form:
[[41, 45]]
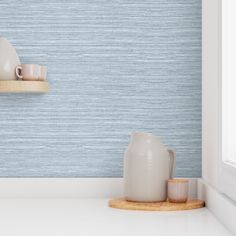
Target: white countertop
[[69, 217]]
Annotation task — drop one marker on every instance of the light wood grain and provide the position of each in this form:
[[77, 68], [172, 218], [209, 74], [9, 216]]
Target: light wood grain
[[121, 203], [177, 180], [11, 86]]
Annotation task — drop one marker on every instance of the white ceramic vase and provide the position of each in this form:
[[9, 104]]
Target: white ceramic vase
[[8, 60], [148, 165]]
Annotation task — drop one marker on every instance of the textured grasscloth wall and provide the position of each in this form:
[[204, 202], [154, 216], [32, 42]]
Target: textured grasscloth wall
[[114, 67]]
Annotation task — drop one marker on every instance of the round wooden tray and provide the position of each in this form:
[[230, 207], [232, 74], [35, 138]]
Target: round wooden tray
[[19, 86], [121, 203]]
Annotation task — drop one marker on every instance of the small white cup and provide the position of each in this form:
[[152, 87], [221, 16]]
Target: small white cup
[[178, 190], [31, 72]]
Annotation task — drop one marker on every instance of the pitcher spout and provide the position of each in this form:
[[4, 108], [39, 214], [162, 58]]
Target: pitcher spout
[[144, 136]]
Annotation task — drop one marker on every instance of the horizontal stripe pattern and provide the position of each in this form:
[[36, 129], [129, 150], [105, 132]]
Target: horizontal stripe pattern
[[113, 67]]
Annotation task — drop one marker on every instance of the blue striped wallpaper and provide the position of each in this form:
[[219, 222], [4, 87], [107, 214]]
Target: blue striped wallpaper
[[114, 67]]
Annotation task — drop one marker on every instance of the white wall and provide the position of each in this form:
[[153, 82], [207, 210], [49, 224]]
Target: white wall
[[210, 90]]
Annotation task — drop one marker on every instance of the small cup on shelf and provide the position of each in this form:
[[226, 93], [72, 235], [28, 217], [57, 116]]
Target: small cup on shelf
[[31, 72], [178, 190]]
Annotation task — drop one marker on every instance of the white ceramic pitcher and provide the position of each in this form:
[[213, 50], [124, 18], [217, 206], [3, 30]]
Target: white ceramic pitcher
[[148, 164], [8, 60]]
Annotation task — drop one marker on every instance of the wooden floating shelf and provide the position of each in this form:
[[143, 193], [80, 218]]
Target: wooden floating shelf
[[121, 203], [19, 86]]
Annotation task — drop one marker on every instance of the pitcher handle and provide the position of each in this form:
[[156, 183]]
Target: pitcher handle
[[172, 154]]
